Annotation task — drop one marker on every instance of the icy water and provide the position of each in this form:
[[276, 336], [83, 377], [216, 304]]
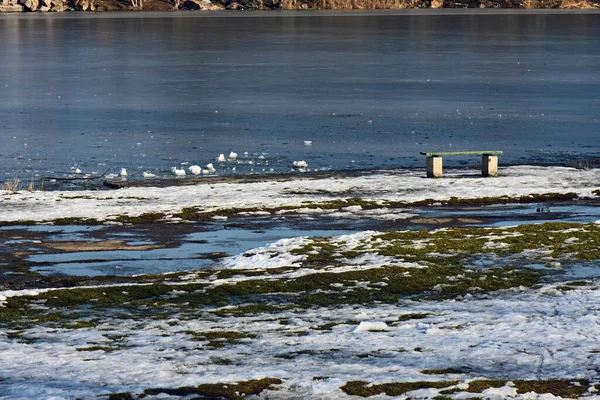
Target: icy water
[[150, 91], [190, 247]]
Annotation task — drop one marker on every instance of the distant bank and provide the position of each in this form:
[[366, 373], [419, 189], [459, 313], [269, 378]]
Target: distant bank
[[216, 5]]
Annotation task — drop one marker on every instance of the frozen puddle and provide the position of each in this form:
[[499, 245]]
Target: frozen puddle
[[187, 247], [197, 251]]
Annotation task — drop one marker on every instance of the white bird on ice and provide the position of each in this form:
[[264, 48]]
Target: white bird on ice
[[147, 174], [178, 172], [307, 142], [221, 158], [210, 168], [195, 169], [300, 164], [123, 172], [232, 155], [78, 171]]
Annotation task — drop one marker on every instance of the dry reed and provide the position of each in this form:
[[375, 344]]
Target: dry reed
[[12, 185], [573, 4], [348, 4], [31, 186]]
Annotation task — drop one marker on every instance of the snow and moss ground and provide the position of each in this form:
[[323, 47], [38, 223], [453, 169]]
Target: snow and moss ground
[[453, 313]]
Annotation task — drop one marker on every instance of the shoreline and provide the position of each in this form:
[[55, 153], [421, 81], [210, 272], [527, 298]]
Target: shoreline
[[203, 197], [180, 13]]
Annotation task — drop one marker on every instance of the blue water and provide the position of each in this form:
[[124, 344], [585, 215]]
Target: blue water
[[149, 91], [187, 256]]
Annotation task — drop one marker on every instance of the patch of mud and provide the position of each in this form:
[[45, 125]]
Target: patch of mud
[[106, 245], [431, 221]]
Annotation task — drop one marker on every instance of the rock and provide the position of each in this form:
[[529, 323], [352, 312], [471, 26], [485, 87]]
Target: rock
[[57, 5], [30, 5], [200, 5], [83, 5]]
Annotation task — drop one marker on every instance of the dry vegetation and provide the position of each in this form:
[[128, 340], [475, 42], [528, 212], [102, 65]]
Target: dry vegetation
[[164, 5], [361, 4], [574, 4], [401, 4], [11, 185]]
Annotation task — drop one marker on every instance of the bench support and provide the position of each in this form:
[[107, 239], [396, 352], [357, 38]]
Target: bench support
[[489, 165], [434, 167]]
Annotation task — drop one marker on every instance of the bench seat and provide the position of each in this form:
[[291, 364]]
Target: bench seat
[[489, 161]]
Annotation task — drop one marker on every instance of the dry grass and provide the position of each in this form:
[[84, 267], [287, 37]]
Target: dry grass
[[31, 186], [14, 185], [400, 4], [572, 4], [348, 4], [11, 185]]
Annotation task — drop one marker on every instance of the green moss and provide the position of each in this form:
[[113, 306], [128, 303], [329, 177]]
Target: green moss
[[221, 361], [75, 221], [481, 201], [250, 309], [444, 371], [106, 349], [407, 317], [558, 387], [189, 213], [363, 389], [571, 389], [217, 339], [325, 327], [145, 218], [234, 391], [104, 296]]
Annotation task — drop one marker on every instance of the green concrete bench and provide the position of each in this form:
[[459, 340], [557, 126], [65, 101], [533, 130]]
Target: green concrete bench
[[489, 161]]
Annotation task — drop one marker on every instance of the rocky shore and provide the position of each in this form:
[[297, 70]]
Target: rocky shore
[[216, 5]]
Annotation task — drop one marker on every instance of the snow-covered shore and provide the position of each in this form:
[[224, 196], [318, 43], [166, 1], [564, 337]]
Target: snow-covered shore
[[540, 334], [394, 185]]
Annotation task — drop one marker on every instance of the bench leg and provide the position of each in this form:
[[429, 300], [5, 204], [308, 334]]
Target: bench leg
[[489, 165], [434, 167]]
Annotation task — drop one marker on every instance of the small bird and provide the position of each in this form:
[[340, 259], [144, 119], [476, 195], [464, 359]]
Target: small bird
[[178, 172], [147, 174], [123, 172], [78, 171], [221, 158], [210, 168], [195, 169], [232, 155], [300, 164]]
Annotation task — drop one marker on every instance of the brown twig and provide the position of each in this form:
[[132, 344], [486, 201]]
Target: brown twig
[[83, 178]]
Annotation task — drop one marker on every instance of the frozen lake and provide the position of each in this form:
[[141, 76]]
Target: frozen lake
[[150, 91]]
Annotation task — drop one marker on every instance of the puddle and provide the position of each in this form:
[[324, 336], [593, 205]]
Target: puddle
[[588, 270], [552, 270], [195, 246], [191, 254], [504, 215]]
